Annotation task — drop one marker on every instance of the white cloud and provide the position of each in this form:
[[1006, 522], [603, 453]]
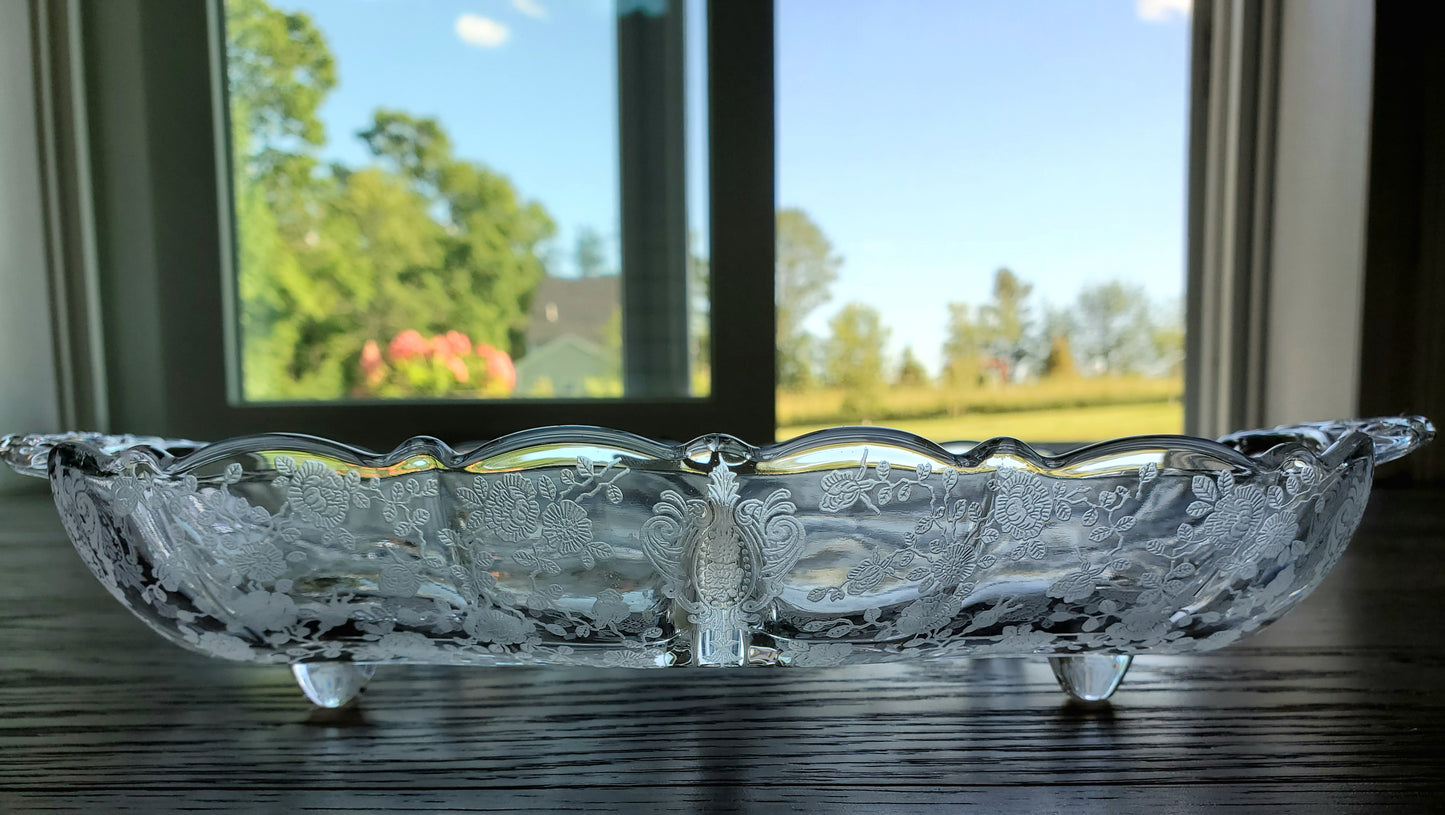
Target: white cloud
[[531, 8], [483, 32], [1162, 11]]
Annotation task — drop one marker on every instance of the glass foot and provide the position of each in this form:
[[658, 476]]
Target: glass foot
[[331, 684], [1090, 677]]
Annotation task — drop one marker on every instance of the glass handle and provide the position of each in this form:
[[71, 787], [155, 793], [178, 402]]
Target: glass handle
[[29, 453], [1393, 436]]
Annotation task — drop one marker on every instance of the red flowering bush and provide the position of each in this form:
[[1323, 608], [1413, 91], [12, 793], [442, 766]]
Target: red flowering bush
[[444, 365]]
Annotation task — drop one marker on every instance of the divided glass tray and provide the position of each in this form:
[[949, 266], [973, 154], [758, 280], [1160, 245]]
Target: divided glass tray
[[586, 546]]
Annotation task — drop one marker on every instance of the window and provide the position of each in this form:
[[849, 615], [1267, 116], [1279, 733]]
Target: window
[[139, 234], [270, 261], [981, 217]]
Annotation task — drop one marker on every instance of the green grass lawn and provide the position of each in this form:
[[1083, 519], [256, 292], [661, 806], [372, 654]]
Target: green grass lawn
[[1068, 424]]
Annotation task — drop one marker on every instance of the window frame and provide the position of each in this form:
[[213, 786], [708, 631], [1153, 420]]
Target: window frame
[[165, 236], [113, 218]]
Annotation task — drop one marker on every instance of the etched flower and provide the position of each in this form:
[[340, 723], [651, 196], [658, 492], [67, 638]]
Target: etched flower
[[399, 645], [1237, 516], [955, 564], [317, 493], [817, 654], [865, 576], [1021, 639], [1275, 535], [512, 507], [926, 614], [841, 489], [565, 525], [609, 608], [262, 611], [498, 627], [259, 560], [125, 495], [1023, 504], [1347, 517], [1074, 586], [225, 646]]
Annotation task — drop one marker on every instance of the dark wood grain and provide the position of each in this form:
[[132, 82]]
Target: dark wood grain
[[1338, 705]]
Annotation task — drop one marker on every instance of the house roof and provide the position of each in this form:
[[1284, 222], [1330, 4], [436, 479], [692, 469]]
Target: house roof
[[579, 307]]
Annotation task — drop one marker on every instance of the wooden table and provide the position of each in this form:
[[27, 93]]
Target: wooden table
[[1339, 705]]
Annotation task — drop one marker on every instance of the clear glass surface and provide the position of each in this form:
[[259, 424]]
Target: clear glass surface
[[584, 545]]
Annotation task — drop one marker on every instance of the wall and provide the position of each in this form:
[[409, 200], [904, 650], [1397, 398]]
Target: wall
[[1322, 144], [27, 360]]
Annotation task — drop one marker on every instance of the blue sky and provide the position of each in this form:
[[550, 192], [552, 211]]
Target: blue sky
[[932, 140]]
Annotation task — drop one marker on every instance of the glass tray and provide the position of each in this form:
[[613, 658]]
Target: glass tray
[[588, 546]]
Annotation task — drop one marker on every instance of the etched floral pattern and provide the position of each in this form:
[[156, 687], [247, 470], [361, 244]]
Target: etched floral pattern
[[582, 560], [512, 507]]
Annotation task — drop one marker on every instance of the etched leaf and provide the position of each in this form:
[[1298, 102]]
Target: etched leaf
[[1100, 533], [885, 494], [547, 487], [549, 566], [924, 469], [1124, 524], [816, 595], [917, 574], [1148, 472], [986, 561], [882, 469], [584, 466], [285, 465], [1182, 569], [614, 494], [1275, 496], [1091, 516], [904, 491], [1204, 488], [950, 477], [470, 496], [525, 557], [1226, 482], [1036, 550], [1198, 509]]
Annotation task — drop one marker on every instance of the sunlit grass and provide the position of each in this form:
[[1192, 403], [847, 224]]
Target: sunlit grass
[[1066, 424], [826, 405]]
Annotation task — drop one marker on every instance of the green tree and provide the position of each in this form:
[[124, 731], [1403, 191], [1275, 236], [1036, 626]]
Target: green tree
[[853, 358], [1005, 321], [279, 69], [807, 267], [589, 254], [333, 256], [963, 348], [911, 373], [1113, 333], [1167, 337], [1059, 364]]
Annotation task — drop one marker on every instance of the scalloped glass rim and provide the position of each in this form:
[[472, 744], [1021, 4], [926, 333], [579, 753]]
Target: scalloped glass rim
[[1325, 443], [814, 551]]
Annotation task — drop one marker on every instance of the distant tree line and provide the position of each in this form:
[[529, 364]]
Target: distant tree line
[[1111, 328]]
